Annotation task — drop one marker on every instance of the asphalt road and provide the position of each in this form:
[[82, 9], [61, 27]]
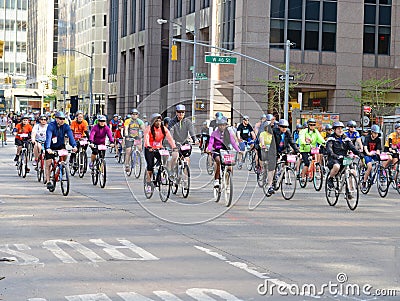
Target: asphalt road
[[113, 244]]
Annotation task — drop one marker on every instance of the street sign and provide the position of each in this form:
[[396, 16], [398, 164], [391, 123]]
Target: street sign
[[190, 82], [216, 59], [201, 76], [64, 92], [367, 109], [282, 77]]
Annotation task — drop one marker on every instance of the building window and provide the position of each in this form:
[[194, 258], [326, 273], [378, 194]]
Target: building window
[[142, 15], [377, 27], [104, 74], [133, 16], [21, 47], [21, 25], [310, 24], [104, 46], [22, 4], [93, 21], [113, 41], [205, 3], [178, 9], [9, 46], [124, 18], [228, 24], [192, 6], [105, 20]]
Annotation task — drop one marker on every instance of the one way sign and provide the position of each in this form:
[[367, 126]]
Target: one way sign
[[282, 77]]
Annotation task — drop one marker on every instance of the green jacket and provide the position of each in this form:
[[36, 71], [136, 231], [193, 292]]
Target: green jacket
[[315, 137]]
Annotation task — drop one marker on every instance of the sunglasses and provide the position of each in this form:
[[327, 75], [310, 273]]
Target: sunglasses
[[43, 119], [351, 127], [284, 127], [102, 121], [180, 112], [312, 124]]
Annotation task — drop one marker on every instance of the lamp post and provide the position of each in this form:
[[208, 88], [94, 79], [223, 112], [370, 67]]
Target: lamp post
[[163, 21], [90, 77]]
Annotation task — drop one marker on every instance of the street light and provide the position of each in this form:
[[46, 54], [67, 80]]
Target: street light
[[90, 77], [163, 21]]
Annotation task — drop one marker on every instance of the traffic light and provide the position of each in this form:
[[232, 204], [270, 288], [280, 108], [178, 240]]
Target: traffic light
[[1, 48], [46, 86], [174, 53], [7, 80]]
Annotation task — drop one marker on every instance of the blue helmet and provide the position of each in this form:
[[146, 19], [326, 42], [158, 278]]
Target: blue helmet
[[269, 117], [218, 115], [60, 115], [283, 123], [180, 108], [375, 129]]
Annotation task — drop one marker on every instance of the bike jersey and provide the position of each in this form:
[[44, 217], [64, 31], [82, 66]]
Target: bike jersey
[[3, 121], [245, 131], [133, 126], [40, 132], [395, 139], [26, 129], [114, 125], [373, 144], [353, 136], [79, 129]]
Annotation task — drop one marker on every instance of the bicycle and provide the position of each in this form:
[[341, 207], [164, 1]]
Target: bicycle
[[378, 175], [262, 175], [249, 156], [3, 136], [182, 171], [80, 162], [315, 171], [22, 163], [40, 165], [159, 178], [284, 177], [210, 164], [228, 159], [345, 179], [59, 172], [120, 151], [394, 174], [99, 169], [136, 160]]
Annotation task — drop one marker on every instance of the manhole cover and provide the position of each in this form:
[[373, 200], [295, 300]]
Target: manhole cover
[[83, 209]]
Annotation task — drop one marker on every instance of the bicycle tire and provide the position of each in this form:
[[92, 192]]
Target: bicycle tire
[[217, 192], [210, 164], [128, 173], [332, 195], [185, 181], [302, 183], [239, 164], [397, 181], [248, 161], [81, 163], [25, 163], [95, 173], [137, 169], [318, 177], [382, 181], [164, 187], [53, 179], [261, 176], [289, 182], [228, 188], [39, 169], [73, 166], [148, 195], [19, 166], [64, 180], [361, 179], [352, 203], [102, 173]]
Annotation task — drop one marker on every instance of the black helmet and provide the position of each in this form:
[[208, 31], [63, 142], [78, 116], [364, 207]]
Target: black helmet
[[328, 127], [351, 123], [337, 124], [167, 120], [154, 117]]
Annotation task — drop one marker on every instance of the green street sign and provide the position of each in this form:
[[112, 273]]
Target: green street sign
[[201, 76], [215, 59]]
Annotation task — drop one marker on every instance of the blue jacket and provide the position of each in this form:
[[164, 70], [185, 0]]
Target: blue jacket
[[53, 130]]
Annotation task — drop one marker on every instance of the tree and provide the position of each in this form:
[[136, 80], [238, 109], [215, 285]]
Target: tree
[[374, 94]]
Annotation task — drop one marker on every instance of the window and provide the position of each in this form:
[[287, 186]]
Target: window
[[377, 27], [124, 18], [142, 15], [133, 16], [228, 24], [21, 47], [192, 6], [310, 24], [93, 21], [178, 9], [21, 25], [9, 46], [205, 3], [104, 74], [105, 20], [104, 46]]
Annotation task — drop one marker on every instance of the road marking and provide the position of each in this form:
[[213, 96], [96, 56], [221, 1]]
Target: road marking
[[202, 294], [91, 297], [20, 258]]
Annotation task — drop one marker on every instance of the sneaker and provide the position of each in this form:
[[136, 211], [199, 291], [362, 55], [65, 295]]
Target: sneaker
[[5, 142], [270, 191], [34, 163], [349, 196], [16, 158], [148, 188], [49, 186], [298, 177], [91, 165], [363, 185], [127, 168], [331, 185], [216, 183]]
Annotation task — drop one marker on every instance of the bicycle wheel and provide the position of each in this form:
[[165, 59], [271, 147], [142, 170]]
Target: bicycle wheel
[[382, 181], [248, 159], [73, 166], [288, 185], [185, 181], [64, 179], [217, 192], [137, 168], [128, 173], [165, 187], [121, 156], [2, 138], [276, 183], [148, 193], [352, 192], [20, 165], [227, 186], [95, 172], [261, 178], [210, 164], [303, 182], [397, 181], [318, 177], [102, 173], [332, 194], [82, 162], [239, 162], [53, 177], [361, 179], [25, 163], [40, 169]]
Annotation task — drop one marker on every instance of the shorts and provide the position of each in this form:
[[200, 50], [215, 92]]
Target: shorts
[[305, 158], [369, 159], [395, 155], [48, 156], [129, 141], [332, 161], [19, 142]]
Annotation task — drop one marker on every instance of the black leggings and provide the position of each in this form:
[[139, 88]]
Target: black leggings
[[149, 157]]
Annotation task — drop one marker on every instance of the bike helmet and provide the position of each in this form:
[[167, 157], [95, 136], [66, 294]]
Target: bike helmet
[[245, 117], [180, 108], [337, 124], [269, 117], [283, 123], [154, 117], [219, 115], [311, 120], [328, 127], [115, 115], [299, 126], [60, 115], [204, 122], [78, 112], [43, 116], [101, 118], [375, 129], [263, 116], [32, 118], [25, 117], [128, 116], [134, 111], [351, 123], [222, 120], [397, 125], [167, 120]]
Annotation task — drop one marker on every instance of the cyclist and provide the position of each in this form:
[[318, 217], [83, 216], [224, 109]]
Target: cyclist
[[327, 132], [213, 123], [257, 126], [22, 128], [221, 138], [353, 134], [167, 121], [296, 134], [114, 122], [3, 125], [372, 144], [337, 146], [245, 133], [309, 138], [55, 140], [133, 130], [154, 136], [205, 137], [119, 138], [98, 136], [392, 145], [39, 137], [80, 129]]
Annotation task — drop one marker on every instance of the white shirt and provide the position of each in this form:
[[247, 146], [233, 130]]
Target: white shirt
[[3, 121], [40, 132]]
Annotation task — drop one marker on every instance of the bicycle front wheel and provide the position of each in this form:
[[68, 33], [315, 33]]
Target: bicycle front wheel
[[364, 190], [352, 192], [64, 180], [397, 181], [227, 186], [210, 165], [147, 192], [20, 165], [73, 166], [82, 163], [25, 163], [102, 173], [185, 181], [137, 166], [132, 159], [53, 178], [382, 181], [95, 173], [317, 177], [165, 187], [303, 182], [332, 194], [288, 185]]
